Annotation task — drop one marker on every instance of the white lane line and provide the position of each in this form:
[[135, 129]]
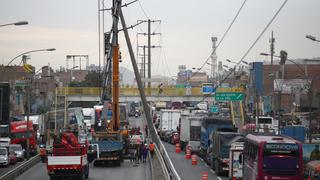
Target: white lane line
[[219, 178], [212, 171]]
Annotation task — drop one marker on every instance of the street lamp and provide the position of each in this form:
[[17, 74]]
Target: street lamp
[[19, 23], [37, 50], [244, 62], [312, 38]]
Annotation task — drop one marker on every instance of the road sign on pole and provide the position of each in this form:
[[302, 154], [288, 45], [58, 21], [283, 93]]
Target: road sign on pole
[[229, 96], [214, 109]]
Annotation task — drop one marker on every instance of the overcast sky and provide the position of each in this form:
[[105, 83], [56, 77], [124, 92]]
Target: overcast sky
[[71, 26]]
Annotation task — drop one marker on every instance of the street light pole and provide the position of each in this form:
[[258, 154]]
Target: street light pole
[[37, 50], [312, 38], [19, 23]]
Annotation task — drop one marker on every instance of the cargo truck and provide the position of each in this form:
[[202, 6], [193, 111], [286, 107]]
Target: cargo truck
[[169, 121], [221, 144], [236, 160], [68, 159], [190, 130], [208, 126]]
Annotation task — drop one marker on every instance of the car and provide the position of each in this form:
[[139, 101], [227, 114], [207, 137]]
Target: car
[[17, 148], [4, 157], [12, 157]]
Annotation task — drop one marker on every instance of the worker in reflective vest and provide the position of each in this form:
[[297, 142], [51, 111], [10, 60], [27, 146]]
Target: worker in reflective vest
[[151, 148]]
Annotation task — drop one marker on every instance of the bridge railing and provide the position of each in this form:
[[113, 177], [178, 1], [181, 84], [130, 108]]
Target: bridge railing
[[96, 91]]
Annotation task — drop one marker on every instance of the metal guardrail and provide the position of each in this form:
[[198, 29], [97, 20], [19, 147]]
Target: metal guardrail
[[162, 163], [165, 161], [12, 174]]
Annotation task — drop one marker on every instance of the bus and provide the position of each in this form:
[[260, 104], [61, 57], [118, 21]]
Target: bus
[[266, 124], [272, 157]]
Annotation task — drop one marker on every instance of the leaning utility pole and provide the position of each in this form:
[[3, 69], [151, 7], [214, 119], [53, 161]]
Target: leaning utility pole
[[139, 82]]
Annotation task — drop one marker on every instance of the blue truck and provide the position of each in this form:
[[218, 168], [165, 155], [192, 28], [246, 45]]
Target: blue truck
[[221, 141], [296, 132], [208, 126], [106, 151]]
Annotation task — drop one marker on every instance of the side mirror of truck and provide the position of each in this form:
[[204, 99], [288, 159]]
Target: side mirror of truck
[[241, 158]]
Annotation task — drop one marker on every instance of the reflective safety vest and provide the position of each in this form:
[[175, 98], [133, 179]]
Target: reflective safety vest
[[151, 147]]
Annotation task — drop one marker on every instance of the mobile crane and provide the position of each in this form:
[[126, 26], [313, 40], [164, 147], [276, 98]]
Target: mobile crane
[[110, 137]]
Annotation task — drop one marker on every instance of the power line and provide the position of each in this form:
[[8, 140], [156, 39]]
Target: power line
[[250, 48], [224, 35], [145, 14]]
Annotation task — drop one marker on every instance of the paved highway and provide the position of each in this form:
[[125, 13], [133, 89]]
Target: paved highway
[[39, 172], [125, 172], [185, 169]]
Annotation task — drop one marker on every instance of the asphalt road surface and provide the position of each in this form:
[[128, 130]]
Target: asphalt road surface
[[185, 169], [127, 170]]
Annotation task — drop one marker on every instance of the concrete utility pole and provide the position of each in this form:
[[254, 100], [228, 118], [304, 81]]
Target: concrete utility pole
[[149, 46]]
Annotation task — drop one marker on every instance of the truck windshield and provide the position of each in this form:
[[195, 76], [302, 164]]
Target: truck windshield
[[15, 148], [281, 159]]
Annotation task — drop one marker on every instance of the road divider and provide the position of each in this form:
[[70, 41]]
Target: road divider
[[12, 174]]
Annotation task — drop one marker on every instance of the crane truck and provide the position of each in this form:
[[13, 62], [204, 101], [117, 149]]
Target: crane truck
[[110, 136], [68, 158]]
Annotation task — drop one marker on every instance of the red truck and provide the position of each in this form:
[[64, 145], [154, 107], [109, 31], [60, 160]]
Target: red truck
[[68, 159], [19, 135]]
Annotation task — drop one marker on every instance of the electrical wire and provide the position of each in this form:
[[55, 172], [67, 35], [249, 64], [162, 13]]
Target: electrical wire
[[144, 12], [250, 48], [224, 35]]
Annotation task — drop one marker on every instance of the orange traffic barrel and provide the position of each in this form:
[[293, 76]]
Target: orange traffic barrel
[[194, 159], [204, 176], [178, 148], [188, 154]]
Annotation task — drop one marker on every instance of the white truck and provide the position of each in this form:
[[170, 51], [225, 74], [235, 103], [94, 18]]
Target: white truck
[[190, 129], [236, 160], [169, 121], [89, 116]]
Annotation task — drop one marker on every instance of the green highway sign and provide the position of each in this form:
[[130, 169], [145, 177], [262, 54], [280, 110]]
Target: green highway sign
[[229, 96], [214, 109]]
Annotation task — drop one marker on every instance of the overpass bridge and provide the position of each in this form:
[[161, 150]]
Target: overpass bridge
[[83, 94]]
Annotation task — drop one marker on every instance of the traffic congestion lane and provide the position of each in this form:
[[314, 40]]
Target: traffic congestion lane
[[184, 168], [126, 171]]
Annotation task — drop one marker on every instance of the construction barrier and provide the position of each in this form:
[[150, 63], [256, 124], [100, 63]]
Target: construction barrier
[[178, 148], [205, 176], [188, 154], [194, 159]]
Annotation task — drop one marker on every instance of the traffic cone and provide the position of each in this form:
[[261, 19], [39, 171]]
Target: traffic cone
[[204, 176], [178, 148], [188, 154], [194, 159]]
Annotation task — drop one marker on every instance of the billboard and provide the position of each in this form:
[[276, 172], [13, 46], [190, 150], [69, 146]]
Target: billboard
[[288, 86], [310, 152]]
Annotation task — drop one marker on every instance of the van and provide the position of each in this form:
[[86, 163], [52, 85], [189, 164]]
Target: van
[[4, 156]]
